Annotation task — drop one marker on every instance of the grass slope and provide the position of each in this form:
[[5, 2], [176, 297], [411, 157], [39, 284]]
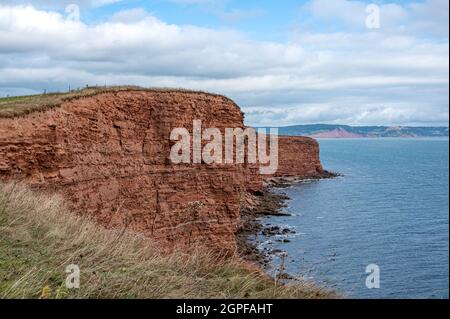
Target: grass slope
[[39, 237]]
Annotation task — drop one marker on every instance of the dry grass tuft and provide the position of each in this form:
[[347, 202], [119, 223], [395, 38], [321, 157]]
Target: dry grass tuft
[[39, 237]]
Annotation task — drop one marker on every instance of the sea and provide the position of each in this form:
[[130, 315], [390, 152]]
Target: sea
[[378, 231]]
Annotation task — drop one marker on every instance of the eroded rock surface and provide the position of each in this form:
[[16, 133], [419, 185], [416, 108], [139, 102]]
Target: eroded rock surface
[[109, 155]]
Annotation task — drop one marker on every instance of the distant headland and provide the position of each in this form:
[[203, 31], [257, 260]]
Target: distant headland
[[347, 131]]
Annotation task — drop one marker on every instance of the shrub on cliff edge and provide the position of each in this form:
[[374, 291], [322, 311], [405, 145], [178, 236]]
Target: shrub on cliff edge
[[39, 238]]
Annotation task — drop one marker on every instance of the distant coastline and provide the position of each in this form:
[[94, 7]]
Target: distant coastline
[[347, 131]]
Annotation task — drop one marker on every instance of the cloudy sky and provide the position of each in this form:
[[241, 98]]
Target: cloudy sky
[[284, 62]]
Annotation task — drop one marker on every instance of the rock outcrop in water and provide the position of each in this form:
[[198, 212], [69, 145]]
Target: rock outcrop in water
[[109, 155], [299, 157]]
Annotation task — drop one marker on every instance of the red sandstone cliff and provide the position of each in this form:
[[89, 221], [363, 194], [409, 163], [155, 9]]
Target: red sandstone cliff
[[109, 155], [299, 157]]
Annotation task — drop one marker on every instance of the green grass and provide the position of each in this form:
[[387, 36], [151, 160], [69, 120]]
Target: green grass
[[39, 237], [21, 105]]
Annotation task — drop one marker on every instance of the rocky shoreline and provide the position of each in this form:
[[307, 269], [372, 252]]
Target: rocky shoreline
[[262, 204]]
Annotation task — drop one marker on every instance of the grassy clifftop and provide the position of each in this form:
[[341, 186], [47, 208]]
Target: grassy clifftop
[[21, 105], [39, 238]]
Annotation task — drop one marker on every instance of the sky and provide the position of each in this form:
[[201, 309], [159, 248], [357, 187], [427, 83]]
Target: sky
[[284, 62]]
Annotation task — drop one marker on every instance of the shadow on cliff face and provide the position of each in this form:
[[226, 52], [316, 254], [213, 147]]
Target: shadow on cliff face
[[40, 238]]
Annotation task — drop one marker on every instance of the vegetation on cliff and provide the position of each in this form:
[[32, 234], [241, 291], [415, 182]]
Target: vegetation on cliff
[[21, 105], [39, 237]]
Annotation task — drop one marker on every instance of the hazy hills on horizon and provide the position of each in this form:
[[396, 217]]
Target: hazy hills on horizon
[[347, 131]]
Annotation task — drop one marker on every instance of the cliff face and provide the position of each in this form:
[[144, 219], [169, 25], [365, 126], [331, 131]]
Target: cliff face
[[299, 156], [109, 155]]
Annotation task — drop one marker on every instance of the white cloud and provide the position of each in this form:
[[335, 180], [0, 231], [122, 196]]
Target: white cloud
[[429, 17], [354, 78], [129, 16], [59, 4]]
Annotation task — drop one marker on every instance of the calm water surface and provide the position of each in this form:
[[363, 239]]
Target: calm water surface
[[390, 208]]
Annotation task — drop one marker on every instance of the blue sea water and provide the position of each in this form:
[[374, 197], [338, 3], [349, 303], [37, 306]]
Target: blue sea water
[[390, 209]]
